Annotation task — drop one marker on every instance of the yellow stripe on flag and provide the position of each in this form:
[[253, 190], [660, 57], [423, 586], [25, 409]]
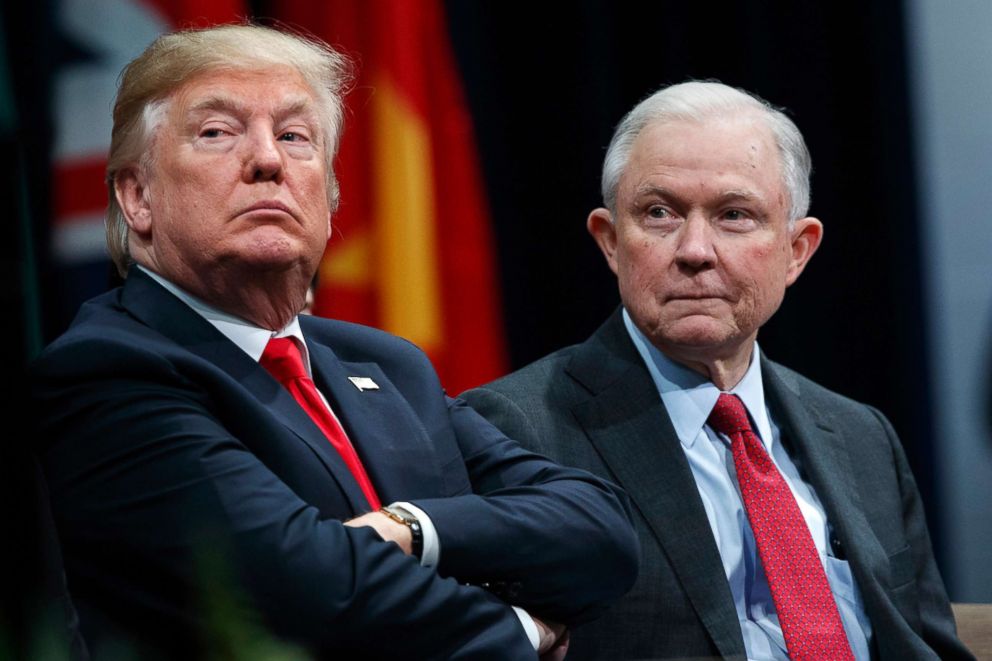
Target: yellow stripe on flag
[[348, 262], [406, 263]]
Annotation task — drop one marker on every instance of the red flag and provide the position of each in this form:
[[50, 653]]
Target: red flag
[[412, 250]]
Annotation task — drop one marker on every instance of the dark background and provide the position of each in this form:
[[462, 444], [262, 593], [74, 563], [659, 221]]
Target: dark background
[[546, 83]]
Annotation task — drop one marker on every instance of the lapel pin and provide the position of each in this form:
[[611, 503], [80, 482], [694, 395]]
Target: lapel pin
[[363, 383]]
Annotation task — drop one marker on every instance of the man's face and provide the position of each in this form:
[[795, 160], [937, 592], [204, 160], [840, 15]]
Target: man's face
[[701, 243], [237, 179]]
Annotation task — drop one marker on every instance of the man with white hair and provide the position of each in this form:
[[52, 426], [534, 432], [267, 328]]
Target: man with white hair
[[218, 462], [777, 519]]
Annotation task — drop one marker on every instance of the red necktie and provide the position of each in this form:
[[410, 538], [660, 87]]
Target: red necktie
[[806, 608], [283, 361]]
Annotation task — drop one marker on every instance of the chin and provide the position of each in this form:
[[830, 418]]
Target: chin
[[280, 253], [694, 333], [267, 260]]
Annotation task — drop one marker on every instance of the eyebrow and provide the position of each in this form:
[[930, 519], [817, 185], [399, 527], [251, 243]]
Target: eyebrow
[[727, 195], [740, 194], [650, 189], [219, 103], [298, 106]]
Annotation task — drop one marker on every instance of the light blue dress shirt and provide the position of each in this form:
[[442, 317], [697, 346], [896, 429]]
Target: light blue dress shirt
[[689, 398]]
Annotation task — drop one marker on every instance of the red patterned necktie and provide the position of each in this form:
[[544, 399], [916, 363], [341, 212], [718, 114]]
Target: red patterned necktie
[[806, 608], [283, 361]]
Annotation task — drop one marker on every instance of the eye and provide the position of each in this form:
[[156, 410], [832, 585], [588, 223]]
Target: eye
[[738, 220], [293, 136], [212, 132], [658, 212], [738, 216]]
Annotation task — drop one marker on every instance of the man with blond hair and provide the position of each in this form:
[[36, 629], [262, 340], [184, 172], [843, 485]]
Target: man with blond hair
[[777, 520], [218, 462]]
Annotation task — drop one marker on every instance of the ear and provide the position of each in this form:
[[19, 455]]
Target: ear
[[806, 235], [604, 231], [132, 196]]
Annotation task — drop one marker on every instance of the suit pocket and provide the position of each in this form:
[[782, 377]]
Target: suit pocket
[[901, 568], [902, 587]]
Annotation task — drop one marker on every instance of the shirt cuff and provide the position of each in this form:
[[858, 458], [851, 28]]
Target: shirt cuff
[[431, 553], [529, 627]]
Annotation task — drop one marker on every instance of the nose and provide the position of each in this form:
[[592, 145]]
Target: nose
[[695, 249], [263, 159]]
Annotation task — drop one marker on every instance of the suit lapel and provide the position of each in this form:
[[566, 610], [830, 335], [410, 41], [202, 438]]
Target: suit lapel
[[823, 458], [627, 423], [160, 310], [389, 437]]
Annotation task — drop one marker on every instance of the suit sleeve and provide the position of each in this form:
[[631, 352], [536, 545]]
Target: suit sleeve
[[558, 541], [505, 414], [936, 618], [155, 499]]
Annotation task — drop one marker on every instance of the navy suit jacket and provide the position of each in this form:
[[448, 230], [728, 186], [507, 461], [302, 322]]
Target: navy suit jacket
[[183, 478], [595, 406]]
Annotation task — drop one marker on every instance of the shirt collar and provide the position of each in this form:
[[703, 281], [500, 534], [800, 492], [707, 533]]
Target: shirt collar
[[248, 337], [689, 397]]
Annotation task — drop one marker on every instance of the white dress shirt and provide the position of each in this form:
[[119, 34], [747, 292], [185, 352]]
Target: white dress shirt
[[689, 398], [252, 340]]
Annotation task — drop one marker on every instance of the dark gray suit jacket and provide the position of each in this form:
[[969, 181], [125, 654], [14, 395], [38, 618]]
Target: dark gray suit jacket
[[594, 406]]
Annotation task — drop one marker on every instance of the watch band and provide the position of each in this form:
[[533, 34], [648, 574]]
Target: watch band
[[400, 515]]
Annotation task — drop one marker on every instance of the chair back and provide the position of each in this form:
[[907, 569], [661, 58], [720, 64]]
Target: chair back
[[975, 628]]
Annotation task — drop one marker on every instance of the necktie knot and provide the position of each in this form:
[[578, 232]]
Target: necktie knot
[[729, 415], [283, 360]]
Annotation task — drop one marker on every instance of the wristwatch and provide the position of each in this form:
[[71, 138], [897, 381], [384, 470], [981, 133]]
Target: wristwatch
[[400, 515]]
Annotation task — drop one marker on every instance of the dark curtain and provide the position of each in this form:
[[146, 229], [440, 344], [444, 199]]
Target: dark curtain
[[547, 82]]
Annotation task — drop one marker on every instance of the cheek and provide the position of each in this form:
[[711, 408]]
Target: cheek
[[179, 188], [311, 193], [761, 278], [641, 275], [639, 253]]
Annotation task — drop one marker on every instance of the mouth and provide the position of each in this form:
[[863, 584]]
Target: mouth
[[267, 206], [695, 297]]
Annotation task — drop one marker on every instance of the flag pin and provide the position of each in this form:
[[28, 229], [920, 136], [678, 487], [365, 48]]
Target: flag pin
[[363, 383]]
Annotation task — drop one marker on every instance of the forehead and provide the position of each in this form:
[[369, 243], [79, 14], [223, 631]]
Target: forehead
[[269, 90], [734, 152]]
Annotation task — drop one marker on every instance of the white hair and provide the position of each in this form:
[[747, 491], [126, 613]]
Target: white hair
[[698, 101]]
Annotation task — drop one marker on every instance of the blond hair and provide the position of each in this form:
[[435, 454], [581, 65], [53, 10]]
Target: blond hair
[[174, 59]]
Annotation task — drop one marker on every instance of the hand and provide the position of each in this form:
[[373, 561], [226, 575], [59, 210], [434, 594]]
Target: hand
[[554, 640], [389, 530], [558, 652]]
